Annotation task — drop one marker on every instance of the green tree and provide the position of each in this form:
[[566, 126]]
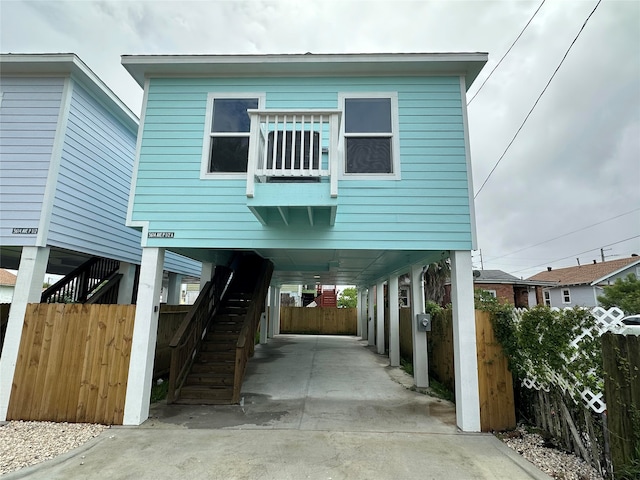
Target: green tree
[[624, 294], [348, 298]]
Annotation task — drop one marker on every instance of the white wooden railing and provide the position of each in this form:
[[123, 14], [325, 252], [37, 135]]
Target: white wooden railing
[[293, 145]]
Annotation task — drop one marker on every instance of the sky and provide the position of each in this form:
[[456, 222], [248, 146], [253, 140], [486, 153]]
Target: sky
[[569, 184]]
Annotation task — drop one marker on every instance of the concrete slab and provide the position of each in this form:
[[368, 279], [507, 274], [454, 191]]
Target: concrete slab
[[313, 408]]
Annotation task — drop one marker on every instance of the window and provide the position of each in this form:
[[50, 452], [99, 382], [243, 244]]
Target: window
[[566, 295], [226, 144], [547, 298], [370, 135], [493, 293]]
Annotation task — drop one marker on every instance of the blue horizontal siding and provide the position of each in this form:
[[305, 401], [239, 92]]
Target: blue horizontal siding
[[90, 203], [28, 121], [427, 209]]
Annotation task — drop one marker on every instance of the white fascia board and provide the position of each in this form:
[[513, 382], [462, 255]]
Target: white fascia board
[[467, 64], [143, 225], [64, 64], [609, 275]]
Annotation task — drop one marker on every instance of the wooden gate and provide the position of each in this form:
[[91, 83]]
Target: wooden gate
[[73, 363], [318, 320]]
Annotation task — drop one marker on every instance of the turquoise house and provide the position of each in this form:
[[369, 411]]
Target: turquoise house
[[339, 169]]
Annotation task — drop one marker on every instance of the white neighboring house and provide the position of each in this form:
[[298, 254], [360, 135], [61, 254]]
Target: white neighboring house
[[581, 285], [7, 285]]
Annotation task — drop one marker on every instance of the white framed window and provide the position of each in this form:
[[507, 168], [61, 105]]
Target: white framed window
[[225, 146], [369, 136], [566, 295], [547, 298], [493, 293]]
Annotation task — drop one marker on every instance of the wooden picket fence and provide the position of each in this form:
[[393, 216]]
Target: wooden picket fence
[[495, 384], [73, 363], [318, 320], [621, 360]]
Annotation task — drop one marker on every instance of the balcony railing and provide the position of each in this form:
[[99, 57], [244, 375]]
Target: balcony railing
[[293, 146]]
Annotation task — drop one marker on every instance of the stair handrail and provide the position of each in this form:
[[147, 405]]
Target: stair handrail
[[107, 294], [76, 286], [245, 344], [187, 340]]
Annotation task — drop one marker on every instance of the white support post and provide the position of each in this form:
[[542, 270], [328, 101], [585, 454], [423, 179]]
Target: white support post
[[28, 289], [276, 317], [263, 327], [465, 356], [207, 273], [420, 358], [272, 309], [394, 322], [145, 330], [380, 317], [359, 313], [364, 329], [254, 131], [173, 290], [127, 283], [371, 335]]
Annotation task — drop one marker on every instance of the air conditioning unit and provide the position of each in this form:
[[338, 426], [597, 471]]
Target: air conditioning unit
[[305, 155]]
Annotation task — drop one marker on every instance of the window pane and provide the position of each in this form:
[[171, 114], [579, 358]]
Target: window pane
[[230, 114], [367, 115], [368, 155], [229, 154]]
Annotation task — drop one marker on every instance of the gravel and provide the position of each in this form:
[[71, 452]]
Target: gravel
[[26, 443], [555, 463]]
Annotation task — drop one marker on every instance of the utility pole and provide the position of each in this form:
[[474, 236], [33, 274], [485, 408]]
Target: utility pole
[[602, 250], [481, 262]]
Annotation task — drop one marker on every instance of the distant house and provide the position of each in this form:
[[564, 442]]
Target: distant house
[[581, 285], [7, 285], [505, 287]]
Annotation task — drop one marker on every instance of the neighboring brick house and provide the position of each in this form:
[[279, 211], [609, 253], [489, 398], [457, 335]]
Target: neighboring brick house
[[581, 285], [505, 287]]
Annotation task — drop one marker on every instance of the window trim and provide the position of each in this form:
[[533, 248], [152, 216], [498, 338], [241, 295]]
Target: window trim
[[546, 298], [395, 137], [566, 299], [207, 134]]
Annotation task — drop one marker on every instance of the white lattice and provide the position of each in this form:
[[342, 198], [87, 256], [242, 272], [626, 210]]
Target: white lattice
[[605, 321]]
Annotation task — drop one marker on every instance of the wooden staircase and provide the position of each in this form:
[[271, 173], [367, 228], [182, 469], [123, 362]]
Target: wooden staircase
[[210, 381], [214, 376]]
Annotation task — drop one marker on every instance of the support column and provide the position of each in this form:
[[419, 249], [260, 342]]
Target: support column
[[264, 326], [272, 308], [127, 283], [173, 290], [465, 357], [276, 316], [207, 273], [359, 313], [420, 358], [394, 322], [364, 328], [145, 330], [371, 335], [28, 289], [380, 317]]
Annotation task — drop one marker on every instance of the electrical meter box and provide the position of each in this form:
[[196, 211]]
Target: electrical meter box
[[424, 322]]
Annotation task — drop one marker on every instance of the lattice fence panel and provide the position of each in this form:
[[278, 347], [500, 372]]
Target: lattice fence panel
[[605, 321]]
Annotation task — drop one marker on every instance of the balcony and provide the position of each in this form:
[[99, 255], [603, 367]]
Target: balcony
[[292, 170]]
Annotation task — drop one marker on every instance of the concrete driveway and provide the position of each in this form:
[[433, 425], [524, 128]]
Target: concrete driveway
[[314, 407]]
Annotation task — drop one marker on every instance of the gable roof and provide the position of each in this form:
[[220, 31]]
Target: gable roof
[[585, 274], [7, 278]]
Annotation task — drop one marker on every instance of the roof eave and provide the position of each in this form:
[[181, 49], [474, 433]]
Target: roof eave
[[615, 272], [65, 64], [468, 65]]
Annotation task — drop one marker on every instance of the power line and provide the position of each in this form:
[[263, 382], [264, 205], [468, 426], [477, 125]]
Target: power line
[[575, 254], [564, 234], [536, 103], [506, 53]]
